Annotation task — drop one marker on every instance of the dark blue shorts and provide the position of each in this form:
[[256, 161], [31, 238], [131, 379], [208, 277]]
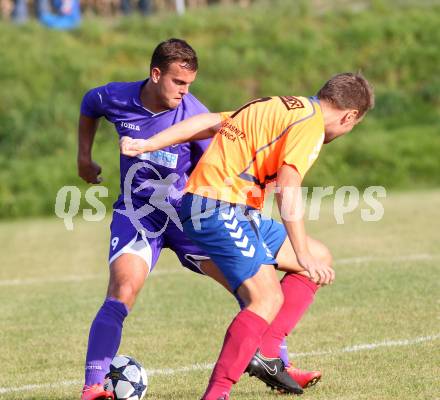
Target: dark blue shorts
[[236, 237]]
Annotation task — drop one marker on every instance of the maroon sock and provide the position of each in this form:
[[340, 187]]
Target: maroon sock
[[298, 292], [242, 339]]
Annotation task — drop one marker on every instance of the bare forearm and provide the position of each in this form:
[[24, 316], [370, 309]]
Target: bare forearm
[[86, 134], [87, 168], [290, 206], [289, 199], [199, 127]]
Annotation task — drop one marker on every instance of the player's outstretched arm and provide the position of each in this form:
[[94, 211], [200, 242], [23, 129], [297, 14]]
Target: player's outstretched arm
[[87, 168], [289, 199], [199, 127]]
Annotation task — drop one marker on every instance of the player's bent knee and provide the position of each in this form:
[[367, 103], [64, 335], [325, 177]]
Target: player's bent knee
[[320, 251], [127, 276], [268, 307], [278, 300], [124, 292]]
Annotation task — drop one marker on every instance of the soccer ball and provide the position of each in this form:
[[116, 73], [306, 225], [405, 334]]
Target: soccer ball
[[127, 379]]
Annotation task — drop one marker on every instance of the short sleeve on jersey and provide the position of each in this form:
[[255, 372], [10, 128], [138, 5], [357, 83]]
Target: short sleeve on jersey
[[92, 103], [224, 115], [301, 146]]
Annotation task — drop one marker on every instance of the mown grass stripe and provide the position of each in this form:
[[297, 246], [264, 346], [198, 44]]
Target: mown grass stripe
[[207, 366], [342, 261]]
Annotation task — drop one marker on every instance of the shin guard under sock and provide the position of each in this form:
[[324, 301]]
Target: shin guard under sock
[[104, 339], [299, 293], [242, 339]]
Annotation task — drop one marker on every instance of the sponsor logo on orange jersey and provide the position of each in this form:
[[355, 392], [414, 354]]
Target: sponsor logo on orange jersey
[[231, 132], [291, 102]]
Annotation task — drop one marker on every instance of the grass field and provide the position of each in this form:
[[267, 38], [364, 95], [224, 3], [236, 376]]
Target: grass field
[[375, 333]]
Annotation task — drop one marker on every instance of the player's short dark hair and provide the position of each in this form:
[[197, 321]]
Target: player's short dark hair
[[174, 50], [348, 91]]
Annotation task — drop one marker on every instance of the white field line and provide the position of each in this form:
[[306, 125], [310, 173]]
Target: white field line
[[75, 278], [207, 366], [341, 261], [368, 346], [27, 388], [402, 258]]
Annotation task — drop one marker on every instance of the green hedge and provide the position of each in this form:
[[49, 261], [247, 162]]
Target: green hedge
[[268, 49]]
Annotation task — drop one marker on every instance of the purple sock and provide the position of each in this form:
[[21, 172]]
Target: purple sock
[[284, 354], [104, 339]]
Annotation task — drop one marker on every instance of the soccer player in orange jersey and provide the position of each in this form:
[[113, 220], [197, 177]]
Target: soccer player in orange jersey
[[272, 139]]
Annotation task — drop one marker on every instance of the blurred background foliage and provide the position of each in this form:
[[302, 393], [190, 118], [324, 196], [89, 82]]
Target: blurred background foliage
[[269, 48]]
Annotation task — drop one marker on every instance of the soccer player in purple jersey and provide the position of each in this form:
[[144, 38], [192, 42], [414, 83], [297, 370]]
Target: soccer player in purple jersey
[[145, 215]]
